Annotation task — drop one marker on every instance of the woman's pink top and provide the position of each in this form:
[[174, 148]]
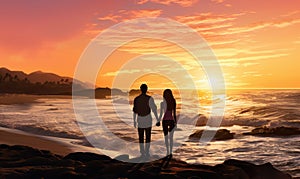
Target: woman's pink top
[[168, 115]]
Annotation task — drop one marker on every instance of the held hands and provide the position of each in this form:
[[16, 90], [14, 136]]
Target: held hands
[[158, 123]]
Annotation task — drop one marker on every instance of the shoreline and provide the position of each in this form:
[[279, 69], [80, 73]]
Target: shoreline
[[16, 144], [12, 99], [56, 145]]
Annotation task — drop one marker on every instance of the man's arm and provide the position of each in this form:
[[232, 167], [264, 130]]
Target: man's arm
[[134, 114], [153, 108], [161, 111], [134, 119]]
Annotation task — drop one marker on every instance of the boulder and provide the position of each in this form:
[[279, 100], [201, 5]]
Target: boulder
[[86, 157], [274, 132], [202, 120], [221, 134], [44, 164], [258, 171]]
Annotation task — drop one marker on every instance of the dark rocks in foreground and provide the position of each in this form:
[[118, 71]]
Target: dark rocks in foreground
[[221, 134], [26, 162], [274, 132]]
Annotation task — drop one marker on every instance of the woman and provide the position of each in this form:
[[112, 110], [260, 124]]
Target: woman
[[168, 108]]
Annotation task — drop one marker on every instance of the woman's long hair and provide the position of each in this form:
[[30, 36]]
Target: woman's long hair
[[169, 98]]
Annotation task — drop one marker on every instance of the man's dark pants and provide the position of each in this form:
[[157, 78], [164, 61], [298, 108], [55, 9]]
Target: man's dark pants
[[142, 132]]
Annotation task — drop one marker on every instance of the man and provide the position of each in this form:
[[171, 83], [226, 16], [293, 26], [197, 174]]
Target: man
[[142, 106]]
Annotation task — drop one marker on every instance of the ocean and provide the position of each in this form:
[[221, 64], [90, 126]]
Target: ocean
[[244, 111]]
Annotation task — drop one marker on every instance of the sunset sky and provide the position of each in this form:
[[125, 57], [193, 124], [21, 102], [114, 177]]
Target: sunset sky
[[256, 42]]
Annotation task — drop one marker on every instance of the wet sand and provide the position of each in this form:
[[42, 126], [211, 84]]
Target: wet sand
[[53, 144]]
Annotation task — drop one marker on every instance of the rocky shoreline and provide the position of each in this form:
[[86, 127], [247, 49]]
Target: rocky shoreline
[[224, 134], [25, 162]]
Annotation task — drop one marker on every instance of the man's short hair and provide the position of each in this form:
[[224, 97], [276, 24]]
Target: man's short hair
[[144, 88]]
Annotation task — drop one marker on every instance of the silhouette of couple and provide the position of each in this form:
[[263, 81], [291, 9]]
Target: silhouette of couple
[[143, 105]]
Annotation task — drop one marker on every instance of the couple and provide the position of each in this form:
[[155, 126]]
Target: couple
[[143, 104]]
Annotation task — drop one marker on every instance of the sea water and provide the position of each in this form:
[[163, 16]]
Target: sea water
[[244, 110]]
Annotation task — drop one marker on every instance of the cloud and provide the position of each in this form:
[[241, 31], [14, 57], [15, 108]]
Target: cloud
[[221, 2], [110, 17], [258, 26], [231, 40], [289, 14], [211, 25], [251, 74], [224, 34], [248, 60], [128, 71], [216, 25], [145, 13], [123, 15], [154, 64], [207, 18], [142, 1], [183, 3], [297, 41], [223, 43], [285, 23], [217, 1], [233, 57]]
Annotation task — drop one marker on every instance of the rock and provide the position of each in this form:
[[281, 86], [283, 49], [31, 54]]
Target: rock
[[229, 171], [258, 171], [123, 158], [192, 173], [169, 176], [202, 120], [44, 164], [152, 169], [53, 173], [221, 134], [34, 161], [100, 93], [274, 132], [141, 174], [134, 92], [120, 170], [86, 157]]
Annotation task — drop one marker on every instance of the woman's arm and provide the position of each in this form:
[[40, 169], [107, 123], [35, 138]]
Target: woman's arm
[[174, 111], [161, 111]]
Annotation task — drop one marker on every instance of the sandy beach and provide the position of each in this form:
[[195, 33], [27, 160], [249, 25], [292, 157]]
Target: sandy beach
[[9, 99], [53, 144], [14, 137]]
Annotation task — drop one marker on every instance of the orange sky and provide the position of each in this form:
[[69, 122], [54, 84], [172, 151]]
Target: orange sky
[[256, 42]]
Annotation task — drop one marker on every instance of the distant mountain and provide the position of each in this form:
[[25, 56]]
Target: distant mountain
[[20, 74], [37, 83], [35, 77], [41, 77], [49, 84]]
